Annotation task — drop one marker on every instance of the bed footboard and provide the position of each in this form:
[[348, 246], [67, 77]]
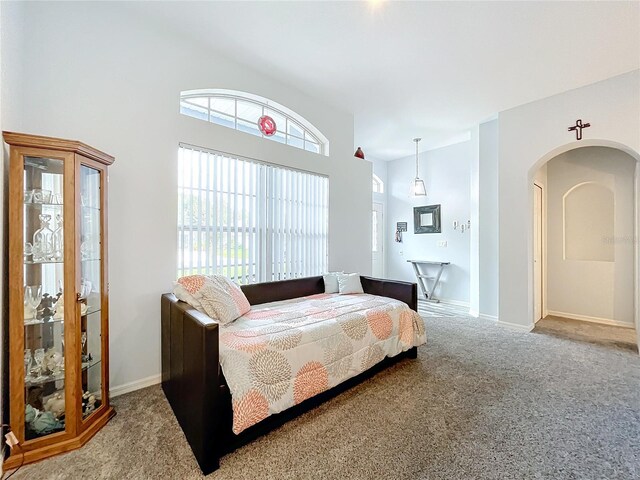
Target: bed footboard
[[406, 292], [191, 377]]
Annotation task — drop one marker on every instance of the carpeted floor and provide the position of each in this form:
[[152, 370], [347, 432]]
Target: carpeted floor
[[620, 337], [479, 402]]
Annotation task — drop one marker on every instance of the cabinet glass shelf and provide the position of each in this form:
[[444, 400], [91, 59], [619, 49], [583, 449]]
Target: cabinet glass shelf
[[60, 376], [42, 204], [45, 262], [50, 321], [91, 311]]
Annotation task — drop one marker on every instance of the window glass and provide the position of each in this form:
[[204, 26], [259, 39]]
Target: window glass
[[295, 141], [249, 111], [224, 105], [312, 147], [248, 127], [295, 130], [193, 111]]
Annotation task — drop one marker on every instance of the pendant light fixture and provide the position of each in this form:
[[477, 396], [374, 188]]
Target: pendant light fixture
[[417, 187]]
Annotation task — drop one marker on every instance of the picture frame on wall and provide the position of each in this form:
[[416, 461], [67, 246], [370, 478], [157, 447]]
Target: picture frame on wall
[[427, 219]]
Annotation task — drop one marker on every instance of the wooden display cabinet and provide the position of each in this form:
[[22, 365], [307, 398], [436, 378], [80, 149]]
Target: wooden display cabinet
[[58, 295]]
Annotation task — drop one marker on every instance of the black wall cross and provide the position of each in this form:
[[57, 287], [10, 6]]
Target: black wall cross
[[578, 128]]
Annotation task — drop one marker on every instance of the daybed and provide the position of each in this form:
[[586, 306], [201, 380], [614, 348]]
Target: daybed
[[195, 350]]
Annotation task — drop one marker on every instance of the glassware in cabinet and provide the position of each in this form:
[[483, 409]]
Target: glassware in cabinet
[[91, 288], [43, 278]]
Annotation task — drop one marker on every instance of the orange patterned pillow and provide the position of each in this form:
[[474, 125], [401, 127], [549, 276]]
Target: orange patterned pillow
[[217, 296]]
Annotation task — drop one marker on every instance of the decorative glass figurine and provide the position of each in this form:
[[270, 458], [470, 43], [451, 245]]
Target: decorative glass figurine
[[58, 239], [28, 250], [27, 364], [83, 340], [59, 310], [39, 358], [33, 297], [43, 240]]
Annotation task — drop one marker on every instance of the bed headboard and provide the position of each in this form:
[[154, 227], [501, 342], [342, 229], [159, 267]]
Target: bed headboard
[[258, 293]]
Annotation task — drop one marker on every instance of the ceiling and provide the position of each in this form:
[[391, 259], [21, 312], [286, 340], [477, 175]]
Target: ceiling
[[427, 69]]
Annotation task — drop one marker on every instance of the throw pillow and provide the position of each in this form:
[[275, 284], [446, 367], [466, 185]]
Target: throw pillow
[[331, 282], [349, 283], [219, 297]]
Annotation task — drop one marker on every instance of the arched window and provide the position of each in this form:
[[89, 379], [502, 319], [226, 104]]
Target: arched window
[[378, 186], [241, 111]]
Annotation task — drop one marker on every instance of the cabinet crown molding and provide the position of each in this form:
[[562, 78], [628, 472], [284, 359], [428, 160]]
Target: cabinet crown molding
[[27, 140]]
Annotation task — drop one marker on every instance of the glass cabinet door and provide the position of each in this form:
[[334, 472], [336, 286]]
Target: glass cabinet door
[[91, 288], [43, 277]]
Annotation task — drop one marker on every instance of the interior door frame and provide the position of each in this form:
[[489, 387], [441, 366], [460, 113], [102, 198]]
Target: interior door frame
[[381, 246], [543, 253]]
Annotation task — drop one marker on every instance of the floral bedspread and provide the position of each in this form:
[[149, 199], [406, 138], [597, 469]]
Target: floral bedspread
[[281, 353]]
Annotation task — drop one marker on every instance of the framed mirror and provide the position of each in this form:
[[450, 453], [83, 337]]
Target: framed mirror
[[427, 219]]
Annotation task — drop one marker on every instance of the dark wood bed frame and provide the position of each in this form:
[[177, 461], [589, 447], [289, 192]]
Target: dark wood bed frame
[[193, 382]]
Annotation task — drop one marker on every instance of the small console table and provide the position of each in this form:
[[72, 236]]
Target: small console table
[[419, 267]]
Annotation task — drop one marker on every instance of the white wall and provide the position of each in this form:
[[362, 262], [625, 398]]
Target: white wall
[[97, 73], [585, 288], [380, 169], [529, 136], [488, 220], [446, 172], [474, 218]]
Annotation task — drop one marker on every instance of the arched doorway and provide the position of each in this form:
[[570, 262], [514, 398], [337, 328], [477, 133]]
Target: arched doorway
[[588, 267]]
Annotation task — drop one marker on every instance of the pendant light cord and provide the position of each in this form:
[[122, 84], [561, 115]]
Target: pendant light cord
[[417, 140]]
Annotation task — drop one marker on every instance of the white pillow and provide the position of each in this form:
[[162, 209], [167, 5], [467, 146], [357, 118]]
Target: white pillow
[[349, 283], [331, 282]]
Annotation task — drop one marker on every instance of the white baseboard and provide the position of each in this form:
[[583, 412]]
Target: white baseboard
[[135, 385], [587, 318], [474, 313], [484, 316], [517, 327], [445, 301]]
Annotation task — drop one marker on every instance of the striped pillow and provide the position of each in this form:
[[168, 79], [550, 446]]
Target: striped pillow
[[217, 296]]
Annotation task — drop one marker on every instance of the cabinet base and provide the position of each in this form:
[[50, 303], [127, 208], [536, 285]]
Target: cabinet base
[[37, 454]]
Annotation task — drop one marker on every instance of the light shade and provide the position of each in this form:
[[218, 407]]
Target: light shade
[[419, 190]]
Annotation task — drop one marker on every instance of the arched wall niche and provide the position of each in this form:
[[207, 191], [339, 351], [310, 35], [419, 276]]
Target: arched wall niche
[[588, 223]]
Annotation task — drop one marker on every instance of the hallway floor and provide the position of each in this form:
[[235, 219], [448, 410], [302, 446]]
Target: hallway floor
[[588, 332]]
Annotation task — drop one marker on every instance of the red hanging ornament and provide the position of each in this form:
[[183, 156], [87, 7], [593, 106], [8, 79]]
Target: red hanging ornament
[[359, 153], [267, 125]]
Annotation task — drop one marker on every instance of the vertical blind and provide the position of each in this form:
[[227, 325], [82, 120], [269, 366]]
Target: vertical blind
[[247, 220]]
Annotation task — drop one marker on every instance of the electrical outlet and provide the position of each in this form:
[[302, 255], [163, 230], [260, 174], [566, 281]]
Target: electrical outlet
[[442, 243], [12, 441]]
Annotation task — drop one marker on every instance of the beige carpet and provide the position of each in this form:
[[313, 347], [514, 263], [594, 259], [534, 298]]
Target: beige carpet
[[480, 402], [588, 332]]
